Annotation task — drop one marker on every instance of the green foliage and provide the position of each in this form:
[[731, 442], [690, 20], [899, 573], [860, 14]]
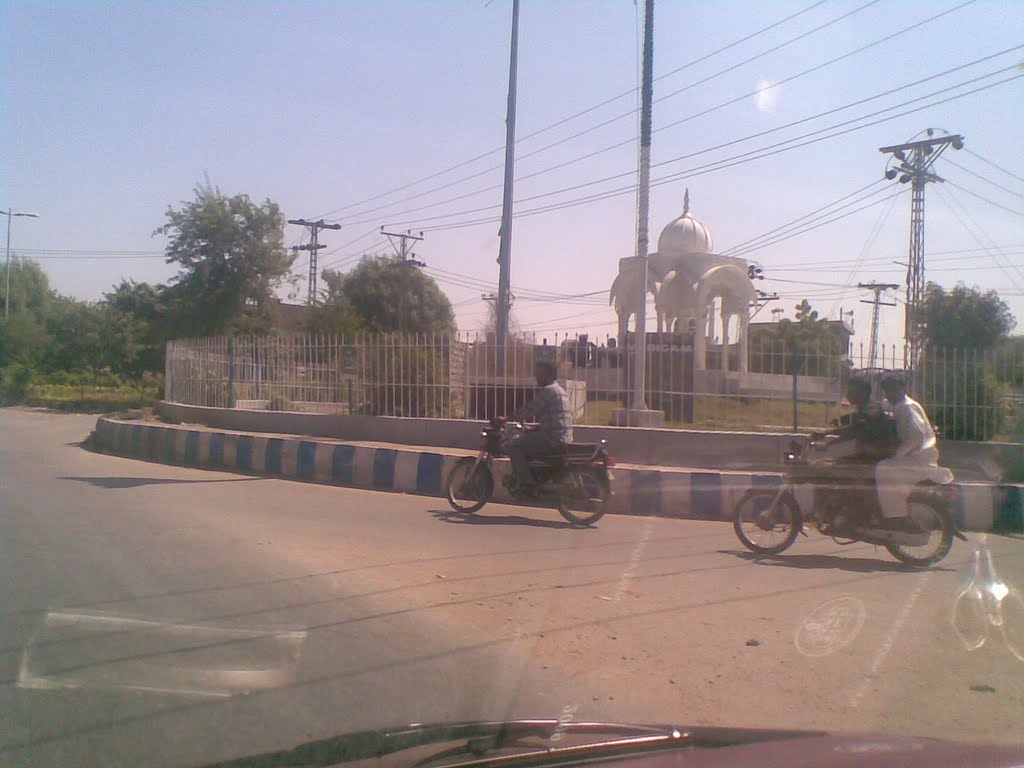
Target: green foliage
[[965, 317], [139, 316], [964, 399], [810, 344], [16, 382], [30, 288], [232, 256], [383, 295]]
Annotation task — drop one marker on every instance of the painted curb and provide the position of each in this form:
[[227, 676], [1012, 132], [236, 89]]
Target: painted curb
[[657, 491]]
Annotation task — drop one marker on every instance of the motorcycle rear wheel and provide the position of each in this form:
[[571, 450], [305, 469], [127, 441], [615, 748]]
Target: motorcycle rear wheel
[[936, 521], [587, 501], [762, 531], [469, 494]]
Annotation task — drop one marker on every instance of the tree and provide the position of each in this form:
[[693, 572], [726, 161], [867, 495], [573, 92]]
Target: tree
[[30, 288], [139, 314], [385, 295], [23, 334], [810, 343], [232, 257], [965, 317]]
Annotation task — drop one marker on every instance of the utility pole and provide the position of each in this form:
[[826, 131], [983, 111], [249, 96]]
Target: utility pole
[[505, 246], [643, 208], [312, 247], [878, 289], [762, 300], [406, 260], [913, 162]]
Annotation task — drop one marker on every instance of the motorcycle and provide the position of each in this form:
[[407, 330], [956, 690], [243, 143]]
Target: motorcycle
[[576, 476], [844, 507]]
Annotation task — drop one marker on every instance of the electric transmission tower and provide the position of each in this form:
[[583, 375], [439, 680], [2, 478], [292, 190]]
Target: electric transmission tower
[[879, 289], [313, 246], [912, 162]]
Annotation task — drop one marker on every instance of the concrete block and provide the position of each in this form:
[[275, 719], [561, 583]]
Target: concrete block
[[324, 461], [259, 455], [406, 468], [203, 448], [362, 467], [290, 457]]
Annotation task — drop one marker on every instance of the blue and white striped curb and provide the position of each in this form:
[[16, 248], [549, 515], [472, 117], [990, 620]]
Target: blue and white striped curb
[[657, 491]]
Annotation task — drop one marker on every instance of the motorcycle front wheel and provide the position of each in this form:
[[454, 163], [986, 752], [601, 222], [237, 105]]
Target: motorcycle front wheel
[[761, 529], [937, 524], [468, 490], [586, 498]]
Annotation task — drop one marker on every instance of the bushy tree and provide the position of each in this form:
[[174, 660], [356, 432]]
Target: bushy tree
[[384, 295], [231, 256], [965, 318]]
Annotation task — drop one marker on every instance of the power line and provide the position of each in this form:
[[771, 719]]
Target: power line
[[883, 217], [985, 199], [740, 159], [582, 113], [835, 202], [948, 202], [704, 112], [995, 165], [621, 116], [724, 145], [813, 224], [985, 179]]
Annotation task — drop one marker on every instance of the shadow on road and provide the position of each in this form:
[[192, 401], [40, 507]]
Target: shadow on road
[[460, 518], [135, 482], [822, 562]]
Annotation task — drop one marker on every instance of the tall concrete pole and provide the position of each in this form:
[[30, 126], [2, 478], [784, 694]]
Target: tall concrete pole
[[643, 207], [504, 301]]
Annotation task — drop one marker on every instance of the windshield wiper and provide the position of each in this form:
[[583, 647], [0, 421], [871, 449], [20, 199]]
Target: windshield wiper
[[479, 740]]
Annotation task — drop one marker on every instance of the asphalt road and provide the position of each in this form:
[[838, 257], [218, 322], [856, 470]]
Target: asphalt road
[[155, 615]]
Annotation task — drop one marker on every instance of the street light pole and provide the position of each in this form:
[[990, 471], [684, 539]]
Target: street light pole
[[7, 293]]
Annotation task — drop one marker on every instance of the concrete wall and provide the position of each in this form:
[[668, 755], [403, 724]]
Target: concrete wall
[[665, 447]]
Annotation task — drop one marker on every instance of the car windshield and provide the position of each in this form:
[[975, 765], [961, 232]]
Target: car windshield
[[366, 365]]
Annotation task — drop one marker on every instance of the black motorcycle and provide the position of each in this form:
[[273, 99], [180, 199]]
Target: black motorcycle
[[576, 476], [845, 507]]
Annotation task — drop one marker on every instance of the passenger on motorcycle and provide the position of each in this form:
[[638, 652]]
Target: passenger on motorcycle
[[550, 410], [871, 429], [916, 458]]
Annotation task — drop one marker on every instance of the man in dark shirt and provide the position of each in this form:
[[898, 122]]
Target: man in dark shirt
[[550, 410], [868, 425]]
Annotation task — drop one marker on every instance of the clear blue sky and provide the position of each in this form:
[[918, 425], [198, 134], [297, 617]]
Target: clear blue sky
[[112, 111]]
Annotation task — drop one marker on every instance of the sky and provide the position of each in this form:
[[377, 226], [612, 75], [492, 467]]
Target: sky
[[386, 113]]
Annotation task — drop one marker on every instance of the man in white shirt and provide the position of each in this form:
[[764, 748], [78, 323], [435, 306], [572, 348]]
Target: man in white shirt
[[916, 458]]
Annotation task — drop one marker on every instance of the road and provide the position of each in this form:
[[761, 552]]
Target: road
[[166, 616]]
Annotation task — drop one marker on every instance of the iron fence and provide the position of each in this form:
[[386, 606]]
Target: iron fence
[[771, 385]]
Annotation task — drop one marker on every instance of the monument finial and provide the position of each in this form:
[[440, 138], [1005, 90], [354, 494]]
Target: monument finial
[[686, 201]]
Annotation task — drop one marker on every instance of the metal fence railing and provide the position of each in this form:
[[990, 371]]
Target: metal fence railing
[[771, 385]]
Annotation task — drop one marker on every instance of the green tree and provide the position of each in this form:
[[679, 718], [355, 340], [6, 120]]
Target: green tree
[[385, 295], [30, 287], [138, 318], [23, 334], [231, 256], [809, 342], [335, 313], [965, 317]]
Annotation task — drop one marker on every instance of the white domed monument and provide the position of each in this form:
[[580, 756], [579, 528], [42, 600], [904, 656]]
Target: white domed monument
[[688, 280]]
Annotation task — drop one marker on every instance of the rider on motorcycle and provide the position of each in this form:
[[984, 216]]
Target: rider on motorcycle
[[916, 457], [550, 409]]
